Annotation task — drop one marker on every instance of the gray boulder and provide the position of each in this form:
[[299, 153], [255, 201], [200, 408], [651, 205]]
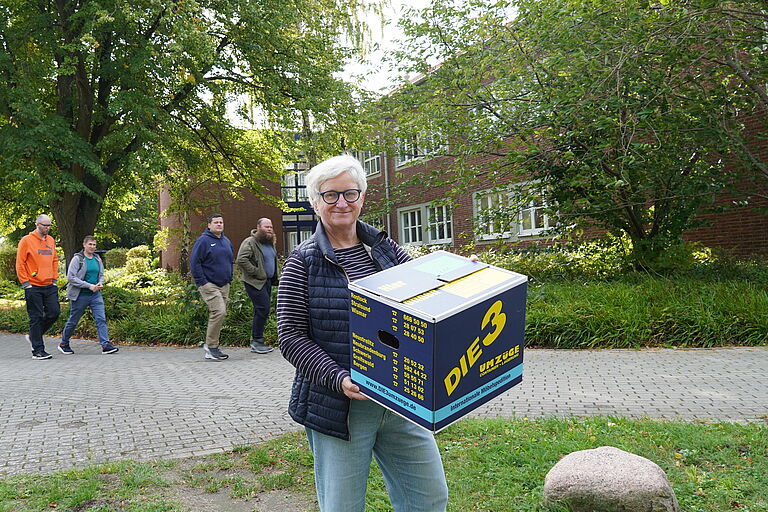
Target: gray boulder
[[607, 479]]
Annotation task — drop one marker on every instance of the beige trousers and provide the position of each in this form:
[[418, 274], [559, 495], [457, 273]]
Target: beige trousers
[[215, 298]]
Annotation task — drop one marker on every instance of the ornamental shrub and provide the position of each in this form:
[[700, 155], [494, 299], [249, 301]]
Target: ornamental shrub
[[120, 302], [140, 251], [11, 290], [136, 265], [116, 258], [8, 263]]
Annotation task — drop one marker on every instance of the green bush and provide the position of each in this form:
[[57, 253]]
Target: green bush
[[140, 251], [116, 258], [11, 290], [8, 263], [136, 265], [151, 285], [583, 297], [15, 319], [120, 302], [644, 311], [165, 325], [594, 260], [609, 259]]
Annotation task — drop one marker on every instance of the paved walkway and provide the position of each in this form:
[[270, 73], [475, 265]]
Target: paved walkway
[[145, 403]]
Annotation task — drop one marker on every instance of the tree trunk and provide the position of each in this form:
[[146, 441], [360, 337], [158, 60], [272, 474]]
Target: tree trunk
[[186, 237], [310, 152], [76, 216]]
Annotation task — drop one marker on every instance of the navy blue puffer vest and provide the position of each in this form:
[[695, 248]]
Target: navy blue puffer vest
[[313, 405]]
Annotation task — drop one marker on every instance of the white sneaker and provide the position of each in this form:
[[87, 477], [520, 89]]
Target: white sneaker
[[214, 353]]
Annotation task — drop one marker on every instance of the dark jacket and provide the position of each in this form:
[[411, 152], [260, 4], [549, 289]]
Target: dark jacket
[[250, 259], [313, 405], [212, 259]]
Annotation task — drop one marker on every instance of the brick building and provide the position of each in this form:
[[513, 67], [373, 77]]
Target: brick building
[[422, 216], [241, 215]]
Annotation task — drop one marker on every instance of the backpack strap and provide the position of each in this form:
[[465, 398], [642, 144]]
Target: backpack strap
[[81, 259]]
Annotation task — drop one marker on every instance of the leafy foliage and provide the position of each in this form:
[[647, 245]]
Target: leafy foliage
[[579, 297], [8, 263], [646, 311], [96, 95], [130, 222], [731, 37], [605, 107], [608, 257], [116, 257]]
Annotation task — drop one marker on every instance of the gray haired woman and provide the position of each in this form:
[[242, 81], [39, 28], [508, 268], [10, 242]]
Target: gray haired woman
[[343, 427]]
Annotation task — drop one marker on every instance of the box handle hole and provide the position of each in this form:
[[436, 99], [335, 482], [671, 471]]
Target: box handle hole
[[388, 339]]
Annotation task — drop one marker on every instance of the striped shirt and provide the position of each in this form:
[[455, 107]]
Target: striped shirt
[[293, 314]]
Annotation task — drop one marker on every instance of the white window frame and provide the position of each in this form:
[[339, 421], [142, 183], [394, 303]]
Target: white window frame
[[529, 214], [295, 182], [431, 219], [439, 219], [533, 209], [490, 229], [419, 147], [371, 162], [411, 232], [293, 238]]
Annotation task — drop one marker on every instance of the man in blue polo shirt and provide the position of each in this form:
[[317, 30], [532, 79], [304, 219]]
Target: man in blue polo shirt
[[211, 265]]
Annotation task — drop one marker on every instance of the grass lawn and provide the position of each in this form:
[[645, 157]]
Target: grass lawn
[[491, 465]]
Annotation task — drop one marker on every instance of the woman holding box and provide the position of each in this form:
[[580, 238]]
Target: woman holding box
[[343, 427]]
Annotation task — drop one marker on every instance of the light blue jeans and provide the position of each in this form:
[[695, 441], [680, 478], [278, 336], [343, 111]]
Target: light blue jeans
[[76, 309], [407, 455]]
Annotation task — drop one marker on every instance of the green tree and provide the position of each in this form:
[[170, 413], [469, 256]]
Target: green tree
[[128, 223], [732, 37], [601, 104], [92, 90], [195, 172]]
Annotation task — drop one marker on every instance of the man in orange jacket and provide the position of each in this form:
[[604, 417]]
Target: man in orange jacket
[[37, 267]]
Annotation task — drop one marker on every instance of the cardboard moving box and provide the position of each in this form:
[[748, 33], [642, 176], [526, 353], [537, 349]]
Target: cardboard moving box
[[435, 338]]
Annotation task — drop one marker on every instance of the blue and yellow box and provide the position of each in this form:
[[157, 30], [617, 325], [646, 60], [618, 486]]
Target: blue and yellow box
[[437, 337]]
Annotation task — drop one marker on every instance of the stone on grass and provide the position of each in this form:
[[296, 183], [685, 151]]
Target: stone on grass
[[607, 479]]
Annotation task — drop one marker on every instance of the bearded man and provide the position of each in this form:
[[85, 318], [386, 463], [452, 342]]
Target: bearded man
[[257, 259]]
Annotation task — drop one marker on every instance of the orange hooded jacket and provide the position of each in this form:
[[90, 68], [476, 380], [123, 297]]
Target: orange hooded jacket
[[36, 260]]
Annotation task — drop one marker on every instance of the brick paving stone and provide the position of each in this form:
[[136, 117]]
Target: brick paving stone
[[158, 402]]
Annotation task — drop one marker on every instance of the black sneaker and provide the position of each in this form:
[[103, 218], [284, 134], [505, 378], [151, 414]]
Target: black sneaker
[[257, 347], [109, 349], [65, 349], [41, 354], [214, 353]]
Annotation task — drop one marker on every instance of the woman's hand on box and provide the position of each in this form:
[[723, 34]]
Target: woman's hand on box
[[352, 390]]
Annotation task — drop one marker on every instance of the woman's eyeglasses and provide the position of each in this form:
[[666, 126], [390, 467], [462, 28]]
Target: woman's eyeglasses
[[332, 196]]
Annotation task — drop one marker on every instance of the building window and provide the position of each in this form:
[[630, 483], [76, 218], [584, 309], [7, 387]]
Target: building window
[[410, 226], [517, 212], [371, 162], [532, 219], [438, 228], [439, 222], [294, 237], [376, 220], [294, 188], [492, 216], [410, 149]]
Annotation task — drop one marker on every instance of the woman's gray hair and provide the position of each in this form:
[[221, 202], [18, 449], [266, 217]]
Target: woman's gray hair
[[331, 168]]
